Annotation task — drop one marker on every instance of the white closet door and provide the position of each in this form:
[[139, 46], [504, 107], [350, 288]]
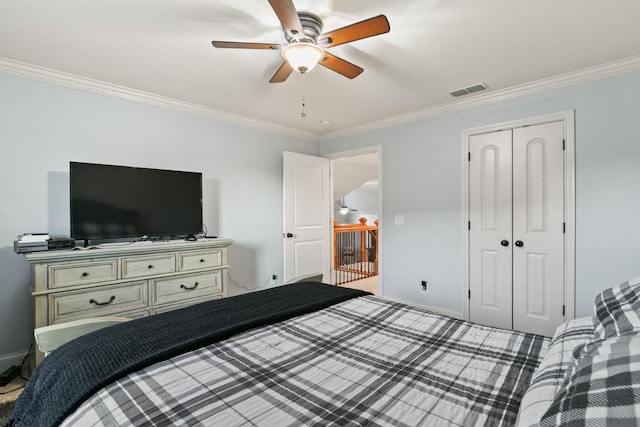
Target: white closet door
[[490, 246], [538, 217]]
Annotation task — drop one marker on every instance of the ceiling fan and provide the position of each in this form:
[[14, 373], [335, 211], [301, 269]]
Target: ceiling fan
[[306, 43], [344, 209]]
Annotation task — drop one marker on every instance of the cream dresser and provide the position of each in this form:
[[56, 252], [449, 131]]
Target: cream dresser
[[131, 280]]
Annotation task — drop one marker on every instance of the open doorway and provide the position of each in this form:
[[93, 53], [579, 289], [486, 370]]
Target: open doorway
[[356, 197]]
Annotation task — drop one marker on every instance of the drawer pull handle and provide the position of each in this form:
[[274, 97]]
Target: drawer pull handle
[[189, 288], [150, 266], [202, 260], [85, 274], [92, 301]]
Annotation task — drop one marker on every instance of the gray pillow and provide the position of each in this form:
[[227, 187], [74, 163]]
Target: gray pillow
[[617, 310], [603, 387]]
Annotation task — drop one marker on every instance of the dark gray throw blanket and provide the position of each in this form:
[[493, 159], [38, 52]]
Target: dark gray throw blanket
[[78, 369]]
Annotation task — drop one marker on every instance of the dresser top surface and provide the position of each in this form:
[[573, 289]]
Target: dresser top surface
[[125, 249]]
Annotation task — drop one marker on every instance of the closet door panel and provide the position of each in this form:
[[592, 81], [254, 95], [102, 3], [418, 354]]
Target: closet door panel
[[538, 216], [536, 296], [490, 243]]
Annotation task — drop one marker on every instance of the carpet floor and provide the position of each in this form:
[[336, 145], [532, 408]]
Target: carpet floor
[[369, 284], [8, 396]]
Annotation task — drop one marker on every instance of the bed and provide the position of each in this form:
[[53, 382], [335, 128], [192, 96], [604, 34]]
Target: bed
[[315, 354]]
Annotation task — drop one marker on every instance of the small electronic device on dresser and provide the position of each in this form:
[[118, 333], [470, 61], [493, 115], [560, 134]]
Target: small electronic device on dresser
[[37, 242]]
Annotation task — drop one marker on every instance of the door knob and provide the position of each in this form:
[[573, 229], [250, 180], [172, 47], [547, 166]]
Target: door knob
[[287, 235], [505, 243], [519, 243]]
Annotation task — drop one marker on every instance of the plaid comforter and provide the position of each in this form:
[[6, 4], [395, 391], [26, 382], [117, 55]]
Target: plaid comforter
[[365, 361]]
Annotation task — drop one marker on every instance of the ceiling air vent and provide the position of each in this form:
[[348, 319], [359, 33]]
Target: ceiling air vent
[[467, 90]]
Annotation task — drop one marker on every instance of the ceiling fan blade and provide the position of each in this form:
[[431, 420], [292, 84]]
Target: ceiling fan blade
[[288, 16], [283, 72], [340, 66], [241, 45], [360, 30]]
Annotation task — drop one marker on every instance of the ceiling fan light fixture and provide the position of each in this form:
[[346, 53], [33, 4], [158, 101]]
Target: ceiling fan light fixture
[[344, 210], [302, 56]]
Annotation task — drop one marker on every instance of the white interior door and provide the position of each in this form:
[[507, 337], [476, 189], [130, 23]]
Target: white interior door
[[490, 257], [307, 216], [538, 222]]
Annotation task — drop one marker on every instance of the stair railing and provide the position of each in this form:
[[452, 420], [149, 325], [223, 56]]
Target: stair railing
[[355, 251]]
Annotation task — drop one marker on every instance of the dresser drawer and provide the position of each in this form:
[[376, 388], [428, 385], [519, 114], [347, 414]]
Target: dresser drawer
[[185, 287], [80, 273], [100, 301], [199, 260], [148, 266]]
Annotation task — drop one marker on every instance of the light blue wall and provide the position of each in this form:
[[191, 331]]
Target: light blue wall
[[421, 179], [43, 127]]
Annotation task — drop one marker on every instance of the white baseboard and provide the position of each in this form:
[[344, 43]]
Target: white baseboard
[[437, 310], [11, 359]]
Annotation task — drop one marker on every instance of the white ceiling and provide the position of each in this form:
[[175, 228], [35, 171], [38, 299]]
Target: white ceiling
[[163, 47]]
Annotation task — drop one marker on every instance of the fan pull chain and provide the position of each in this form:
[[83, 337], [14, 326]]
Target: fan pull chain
[[303, 114]]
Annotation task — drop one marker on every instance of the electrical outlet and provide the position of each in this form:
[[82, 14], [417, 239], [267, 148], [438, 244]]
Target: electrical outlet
[[274, 278], [425, 287]]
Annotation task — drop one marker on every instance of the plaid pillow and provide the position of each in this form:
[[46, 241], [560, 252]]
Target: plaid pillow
[[602, 389], [617, 310], [549, 375]]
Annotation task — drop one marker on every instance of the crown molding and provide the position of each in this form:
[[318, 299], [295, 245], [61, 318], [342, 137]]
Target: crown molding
[[599, 72], [58, 78], [71, 81]]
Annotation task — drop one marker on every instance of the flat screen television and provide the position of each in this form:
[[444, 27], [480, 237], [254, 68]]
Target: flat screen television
[[110, 202]]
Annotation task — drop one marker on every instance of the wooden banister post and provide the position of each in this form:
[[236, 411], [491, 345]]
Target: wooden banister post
[[376, 242], [335, 243]]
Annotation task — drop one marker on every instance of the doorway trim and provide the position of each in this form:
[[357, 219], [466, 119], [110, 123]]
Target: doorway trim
[[568, 119], [373, 149]]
